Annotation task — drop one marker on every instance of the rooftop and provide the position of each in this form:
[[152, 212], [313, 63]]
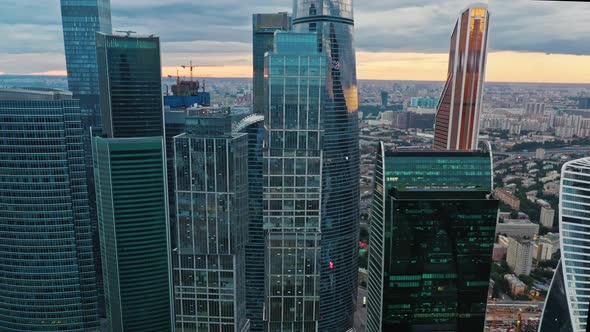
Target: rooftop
[[34, 94]]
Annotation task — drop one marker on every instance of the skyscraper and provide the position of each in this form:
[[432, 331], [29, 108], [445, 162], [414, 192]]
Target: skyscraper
[[292, 165], [212, 218], [567, 303], [460, 106], [131, 185], [253, 126], [263, 28], [334, 24], [432, 234], [47, 278], [131, 85]]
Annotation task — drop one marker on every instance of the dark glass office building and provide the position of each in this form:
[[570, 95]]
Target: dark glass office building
[[263, 28], [134, 234], [431, 241], [333, 21], [130, 85], [556, 315], [253, 126], [47, 275], [212, 218]]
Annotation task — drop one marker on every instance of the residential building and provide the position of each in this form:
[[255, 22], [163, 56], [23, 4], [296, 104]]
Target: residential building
[[520, 256], [518, 228], [48, 279], [535, 109], [508, 198], [292, 178], [432, 237], [547, 216], [540, 154], [333, 21], [384, 98], [131, 185], [253, 126], [517, 287], [500, 252], [543, 251], [566, 298], [460, 105], [212, 218], [263, 29]]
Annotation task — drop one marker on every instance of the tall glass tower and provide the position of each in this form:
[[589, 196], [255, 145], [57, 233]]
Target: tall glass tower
[[212, 217], [253, 126], [263, 29], [292, 182], [572, 279], [432, 234], [460, 106], [47, 275], [333, 22]]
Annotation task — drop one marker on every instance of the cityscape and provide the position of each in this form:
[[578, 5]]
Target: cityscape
[[152, 181]]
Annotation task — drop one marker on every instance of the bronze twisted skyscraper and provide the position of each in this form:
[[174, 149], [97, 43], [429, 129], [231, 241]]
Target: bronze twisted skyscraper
[[459, 109]]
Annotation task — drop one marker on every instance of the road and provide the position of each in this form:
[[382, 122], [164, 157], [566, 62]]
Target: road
[[360, 316]]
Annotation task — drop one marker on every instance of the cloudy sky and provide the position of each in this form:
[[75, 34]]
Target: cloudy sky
[[530, 41]]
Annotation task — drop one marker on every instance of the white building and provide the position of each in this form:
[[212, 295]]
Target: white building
[[547, 216], [520, 256]]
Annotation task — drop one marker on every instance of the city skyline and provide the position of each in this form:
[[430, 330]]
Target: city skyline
[[403, 48]]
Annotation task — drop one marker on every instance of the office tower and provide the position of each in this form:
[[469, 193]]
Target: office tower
[[567, 303], [47, 278], [131, 85], [131, 186], [333, 21], [253, 126], [432, 236], [212, 219], [520, 256], [81, 20], [460, 105], [384, 98], [263, 29], [292, 182]]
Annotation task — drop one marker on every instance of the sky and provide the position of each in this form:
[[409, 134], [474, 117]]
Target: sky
[[530, 41]]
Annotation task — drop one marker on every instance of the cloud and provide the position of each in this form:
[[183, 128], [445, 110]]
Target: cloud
[[217, 31]]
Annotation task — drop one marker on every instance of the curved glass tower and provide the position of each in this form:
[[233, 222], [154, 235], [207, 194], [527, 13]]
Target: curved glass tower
[[574, 270], [333, 21], [47, 275]]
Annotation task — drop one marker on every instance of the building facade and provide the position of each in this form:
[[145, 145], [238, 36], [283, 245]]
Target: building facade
[[263, 29], [547, 217], [520, 256], [212, 218], [333, 21], [130, 80], [572, 277], [134, 232], [460, 105], [292, 182], [48, 280], [253, 126], [432, 237]]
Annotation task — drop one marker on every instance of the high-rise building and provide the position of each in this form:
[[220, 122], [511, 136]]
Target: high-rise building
[[460, 105], [212, 218], [130, 78], [547, 216], [567, 304], [131, 186], [81, 20], [432, 236], [48, 280], [134, 233], [384, 98], [253, 126], [520, 256], [292, 182], [535, 109], [263, 29], [334, 23]]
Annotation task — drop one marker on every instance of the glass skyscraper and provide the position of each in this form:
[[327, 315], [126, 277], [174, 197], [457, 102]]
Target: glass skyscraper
[[212, 218], [571, 283], [333, 21], [263, 29], [296, 78], [131, 186], [253, 126], [432, 234], [130, 78], [460, 106], [47, 275]]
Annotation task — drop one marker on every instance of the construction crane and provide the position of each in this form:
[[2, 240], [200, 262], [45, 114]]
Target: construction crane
[[192, 67], [126, 32]]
